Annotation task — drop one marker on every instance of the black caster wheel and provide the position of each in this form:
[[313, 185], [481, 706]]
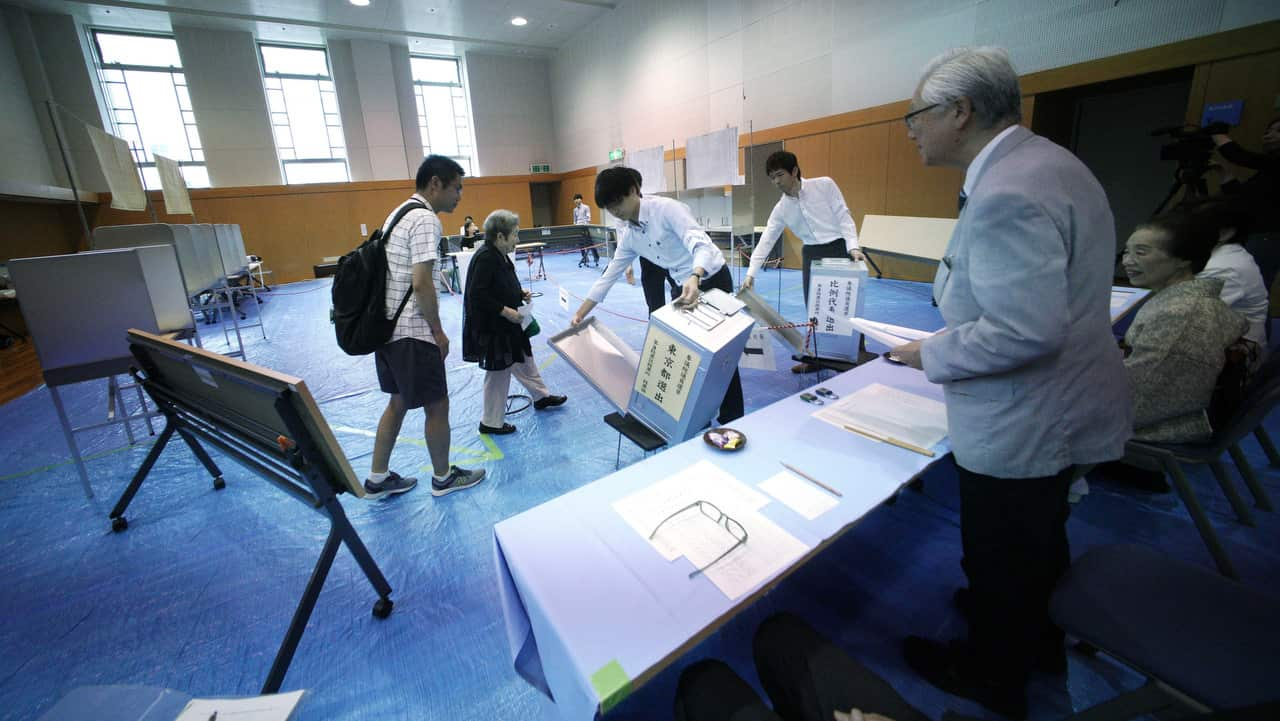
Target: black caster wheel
[[219, 484], [382, 608], [118, 524]]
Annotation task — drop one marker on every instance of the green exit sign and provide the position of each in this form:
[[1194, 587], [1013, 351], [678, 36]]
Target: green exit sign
[[616, 154], [540, 168]]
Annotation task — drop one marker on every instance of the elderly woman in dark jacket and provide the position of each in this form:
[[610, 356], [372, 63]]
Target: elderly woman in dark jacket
[[491, 325]]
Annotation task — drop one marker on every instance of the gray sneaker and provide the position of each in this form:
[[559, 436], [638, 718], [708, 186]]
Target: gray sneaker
[[394, 483], [457, 480]]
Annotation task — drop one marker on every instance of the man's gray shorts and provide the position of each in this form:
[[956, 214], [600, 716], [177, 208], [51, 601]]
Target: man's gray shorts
[[412, 368]]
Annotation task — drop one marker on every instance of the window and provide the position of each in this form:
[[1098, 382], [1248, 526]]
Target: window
[[443, 118], [148, 103], [304, 114]]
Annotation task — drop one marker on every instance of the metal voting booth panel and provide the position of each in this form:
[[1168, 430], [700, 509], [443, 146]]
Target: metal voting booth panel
[[674, 386], [79, 325], [835, 294], [79, 328], [231, 246], [201, 268]]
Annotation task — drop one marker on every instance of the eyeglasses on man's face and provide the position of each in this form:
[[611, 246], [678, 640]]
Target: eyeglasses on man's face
[[910, 118], [718, 517]]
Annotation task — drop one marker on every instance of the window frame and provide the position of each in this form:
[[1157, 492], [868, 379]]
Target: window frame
[[141, 152], [467, 161], [285, 162]]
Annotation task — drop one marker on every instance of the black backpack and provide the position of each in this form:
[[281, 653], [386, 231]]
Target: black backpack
[[359, 293]]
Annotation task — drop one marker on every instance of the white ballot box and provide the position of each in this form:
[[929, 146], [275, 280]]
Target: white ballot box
[[79, 306], [835, 294], [689, 357]]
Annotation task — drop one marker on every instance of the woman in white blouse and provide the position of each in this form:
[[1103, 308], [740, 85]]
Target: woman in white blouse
[[1242, 286]]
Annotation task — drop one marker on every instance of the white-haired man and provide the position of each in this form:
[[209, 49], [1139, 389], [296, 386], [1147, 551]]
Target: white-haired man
[[1034, 384]]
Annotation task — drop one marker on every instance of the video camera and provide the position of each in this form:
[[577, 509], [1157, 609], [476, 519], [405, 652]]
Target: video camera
[[1191, 146]]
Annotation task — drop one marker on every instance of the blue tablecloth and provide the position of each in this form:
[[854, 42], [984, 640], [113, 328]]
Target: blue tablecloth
[[590, 607]]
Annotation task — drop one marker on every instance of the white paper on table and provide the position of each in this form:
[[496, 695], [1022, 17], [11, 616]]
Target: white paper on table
[[890, 412], [799, 495], [890, 335], [768, 550], [703, 481], [1119, 298], [272, 707]]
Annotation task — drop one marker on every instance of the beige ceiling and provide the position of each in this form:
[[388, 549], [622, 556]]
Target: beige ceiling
[[430, 26]]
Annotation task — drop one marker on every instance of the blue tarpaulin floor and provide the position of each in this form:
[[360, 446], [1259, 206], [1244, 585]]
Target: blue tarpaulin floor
[[197, 593]]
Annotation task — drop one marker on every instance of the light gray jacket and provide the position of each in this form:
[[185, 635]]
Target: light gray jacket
[[1032, 376]]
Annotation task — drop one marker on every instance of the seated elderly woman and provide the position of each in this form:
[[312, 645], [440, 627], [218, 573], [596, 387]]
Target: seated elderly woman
[[491, 325], [1176, 346]]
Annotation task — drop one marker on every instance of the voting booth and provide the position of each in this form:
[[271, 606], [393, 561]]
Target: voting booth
[[200, 265], [77, 308], [835, 295], [674, 386]]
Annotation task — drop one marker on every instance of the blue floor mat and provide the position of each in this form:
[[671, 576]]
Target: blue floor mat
[[197, 593]]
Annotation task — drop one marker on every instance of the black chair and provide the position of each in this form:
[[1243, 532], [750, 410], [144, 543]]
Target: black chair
[[1261, 397], [1204, 642]]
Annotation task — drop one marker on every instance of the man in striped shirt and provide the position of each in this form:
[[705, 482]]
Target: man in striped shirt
[[411, 364]]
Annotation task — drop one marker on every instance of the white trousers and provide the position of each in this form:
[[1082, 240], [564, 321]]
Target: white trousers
[[498, 383]]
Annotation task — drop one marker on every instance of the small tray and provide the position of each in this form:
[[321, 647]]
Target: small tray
[[728, 440]]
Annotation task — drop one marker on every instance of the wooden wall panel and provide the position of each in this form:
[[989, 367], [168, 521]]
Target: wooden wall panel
[[295, 227], [860, 166], [913, 189], [582, 181], [34, 229]]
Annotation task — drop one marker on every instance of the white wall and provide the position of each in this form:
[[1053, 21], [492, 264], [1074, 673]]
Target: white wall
[[511, 110], [369, 77], [656, 70], [21, 143], [230, 104]]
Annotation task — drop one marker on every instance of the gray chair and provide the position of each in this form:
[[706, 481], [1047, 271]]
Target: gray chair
[[1204, 642], [1262, 396]]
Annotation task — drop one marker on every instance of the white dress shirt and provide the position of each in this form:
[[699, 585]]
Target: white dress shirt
[[582, 214], [819, 215], [1242, 287], [980, 160], [667, 235]]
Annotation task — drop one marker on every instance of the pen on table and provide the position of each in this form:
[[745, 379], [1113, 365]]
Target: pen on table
[[891, 441], [811, 479]]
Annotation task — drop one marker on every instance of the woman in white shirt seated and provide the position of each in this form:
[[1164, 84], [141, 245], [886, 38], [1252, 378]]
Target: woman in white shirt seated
[[1242, 286]]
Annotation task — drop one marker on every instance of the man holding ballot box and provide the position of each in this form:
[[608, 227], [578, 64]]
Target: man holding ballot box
[[814, 210], [663, 232]]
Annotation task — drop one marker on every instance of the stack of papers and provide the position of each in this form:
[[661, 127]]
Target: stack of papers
[[889, 414], [272, 707], [697, 537], [890, 335]]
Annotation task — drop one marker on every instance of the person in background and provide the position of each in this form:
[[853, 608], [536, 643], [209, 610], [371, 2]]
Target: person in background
[[469, 232], [1033, 383], [663, 232], [814, 210], [1175, 347], [491, 325], [1259, 195], [1243, 289], [582, 216], [410, 366]]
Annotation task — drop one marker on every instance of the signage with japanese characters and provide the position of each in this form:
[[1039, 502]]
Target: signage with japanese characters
[[667, 370], [831, 301]]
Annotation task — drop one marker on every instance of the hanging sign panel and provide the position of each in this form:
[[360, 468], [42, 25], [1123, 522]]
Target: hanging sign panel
[[174, 187], [119, 169]]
